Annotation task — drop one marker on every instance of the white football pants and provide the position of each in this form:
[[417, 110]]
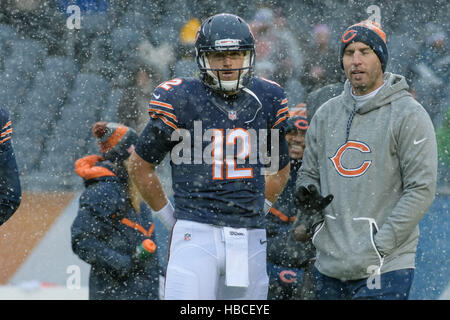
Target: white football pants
[[197, 264]]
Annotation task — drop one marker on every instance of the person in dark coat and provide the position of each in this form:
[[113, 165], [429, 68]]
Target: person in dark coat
[[289, 263], [10, 189], [113, 228], [319, 67]]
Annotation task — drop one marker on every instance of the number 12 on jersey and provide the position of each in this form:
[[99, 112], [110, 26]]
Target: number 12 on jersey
[[236, 136]]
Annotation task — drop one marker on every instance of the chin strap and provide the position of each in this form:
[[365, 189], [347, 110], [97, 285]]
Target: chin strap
[[226, 86]]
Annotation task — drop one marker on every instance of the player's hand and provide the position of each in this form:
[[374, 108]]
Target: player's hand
[[310, 201]]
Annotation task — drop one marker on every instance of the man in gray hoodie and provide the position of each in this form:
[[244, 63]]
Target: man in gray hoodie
[[372, 149]]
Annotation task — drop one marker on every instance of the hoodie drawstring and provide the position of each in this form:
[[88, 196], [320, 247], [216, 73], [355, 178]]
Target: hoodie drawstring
[[349, 122]]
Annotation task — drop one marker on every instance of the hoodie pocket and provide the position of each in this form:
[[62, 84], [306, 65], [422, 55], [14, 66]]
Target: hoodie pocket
[[316, 232], [373, 229]]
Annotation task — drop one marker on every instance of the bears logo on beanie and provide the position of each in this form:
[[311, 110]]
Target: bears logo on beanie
[[297, 118], [116, 141], [370, 33]]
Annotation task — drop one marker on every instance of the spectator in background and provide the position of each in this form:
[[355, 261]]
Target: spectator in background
[[431, 73], [443, 139], [23, 14], [10, 189], [112, 231], [160, 56], [319, 68], [289, 263], [276, 48], [443, 144], [185, 65], [133, 106], [321, 95], [36, 19]]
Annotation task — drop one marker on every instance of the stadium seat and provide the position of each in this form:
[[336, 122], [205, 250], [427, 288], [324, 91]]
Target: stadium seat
[[41, 105], [4, 52], [20, 67], [399, 47], [7, 33], [124, 43], [72, 134], [109, 113]]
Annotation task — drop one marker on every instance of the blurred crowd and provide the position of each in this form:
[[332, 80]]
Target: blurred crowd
[[58, 81]]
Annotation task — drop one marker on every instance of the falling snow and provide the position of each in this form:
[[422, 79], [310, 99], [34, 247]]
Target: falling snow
[[65, 65]]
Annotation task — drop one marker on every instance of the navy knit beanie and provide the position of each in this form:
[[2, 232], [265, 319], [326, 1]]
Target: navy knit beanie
[[297, 118], [370, 33], [116, 141]]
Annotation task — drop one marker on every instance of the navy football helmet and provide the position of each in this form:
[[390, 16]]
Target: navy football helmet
[[225, 32]]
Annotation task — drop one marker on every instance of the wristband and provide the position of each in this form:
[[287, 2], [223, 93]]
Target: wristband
[[165, 215], [267, 206]]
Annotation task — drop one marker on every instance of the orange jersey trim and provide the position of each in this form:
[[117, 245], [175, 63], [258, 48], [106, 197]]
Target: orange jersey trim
[[282, 111], [281, 215], [7, 124], [170, 115], [161, 104], [6, 139], [163, 119], [9, 131], [270, 81], [279, 121]]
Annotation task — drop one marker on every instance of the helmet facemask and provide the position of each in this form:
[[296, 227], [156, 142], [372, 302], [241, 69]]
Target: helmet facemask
[[212, 76]]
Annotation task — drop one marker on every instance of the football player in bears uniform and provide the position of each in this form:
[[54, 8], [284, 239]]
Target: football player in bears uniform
[[10, 189], [214, 129]]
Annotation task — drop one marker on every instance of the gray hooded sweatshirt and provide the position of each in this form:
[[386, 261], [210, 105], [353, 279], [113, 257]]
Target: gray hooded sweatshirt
[[380, 162]]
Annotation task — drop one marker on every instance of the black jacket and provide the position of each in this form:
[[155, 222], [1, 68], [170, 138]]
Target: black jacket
[[105, 234], [282, 249]]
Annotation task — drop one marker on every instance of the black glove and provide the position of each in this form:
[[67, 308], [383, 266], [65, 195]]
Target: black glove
[[301, 252], [310, 204], [309, 200]]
